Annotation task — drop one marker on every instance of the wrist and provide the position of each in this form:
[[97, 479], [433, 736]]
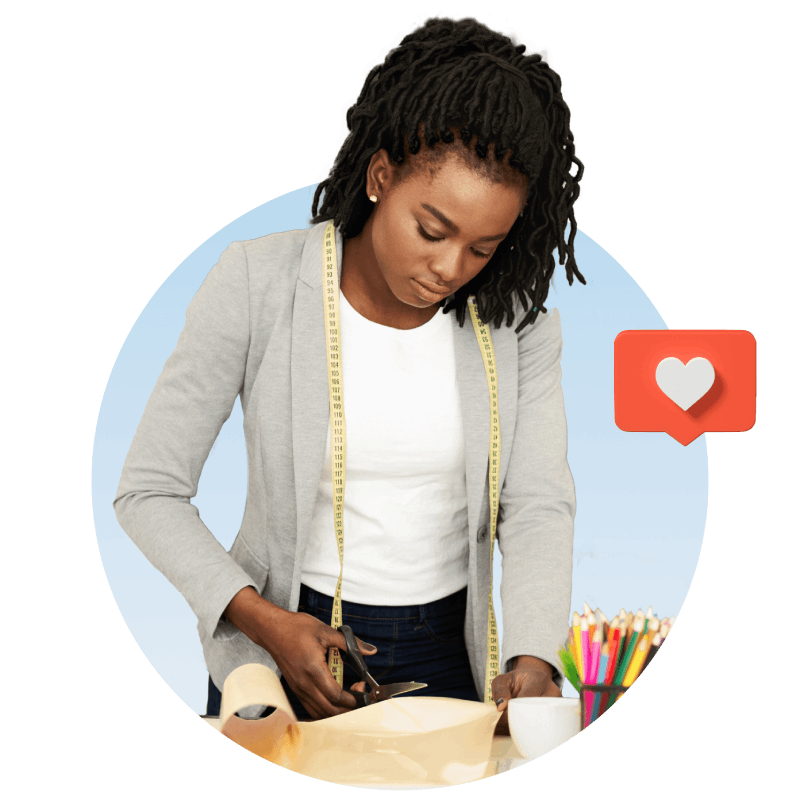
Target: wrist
[[533, 663]]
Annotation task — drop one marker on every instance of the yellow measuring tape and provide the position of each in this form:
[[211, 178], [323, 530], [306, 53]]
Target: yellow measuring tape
[[339, 450]]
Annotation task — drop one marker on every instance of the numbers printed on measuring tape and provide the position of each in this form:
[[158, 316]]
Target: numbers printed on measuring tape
[[339, 452]]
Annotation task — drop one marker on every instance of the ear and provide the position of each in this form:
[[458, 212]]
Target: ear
[[379, 174]]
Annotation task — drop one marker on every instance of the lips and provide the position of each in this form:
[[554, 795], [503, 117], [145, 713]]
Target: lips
[[429, 291]]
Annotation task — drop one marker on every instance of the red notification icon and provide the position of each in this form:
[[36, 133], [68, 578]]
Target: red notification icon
[[685, 382]]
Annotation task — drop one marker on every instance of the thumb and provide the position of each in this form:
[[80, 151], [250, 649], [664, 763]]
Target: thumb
[[336, 639], [366, 648]]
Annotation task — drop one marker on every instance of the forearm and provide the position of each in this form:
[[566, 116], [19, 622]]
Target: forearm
[[255, 617]]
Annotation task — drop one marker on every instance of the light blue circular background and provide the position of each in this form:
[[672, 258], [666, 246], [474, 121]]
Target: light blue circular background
[[642, 497]]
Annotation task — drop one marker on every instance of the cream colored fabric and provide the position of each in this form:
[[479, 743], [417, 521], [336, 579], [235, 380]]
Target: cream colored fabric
[[405, 741]]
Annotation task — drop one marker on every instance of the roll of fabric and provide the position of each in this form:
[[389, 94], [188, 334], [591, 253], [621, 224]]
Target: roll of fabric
[[406, 741]]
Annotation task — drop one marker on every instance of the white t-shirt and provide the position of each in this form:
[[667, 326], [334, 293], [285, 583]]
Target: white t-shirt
[[405, 497]]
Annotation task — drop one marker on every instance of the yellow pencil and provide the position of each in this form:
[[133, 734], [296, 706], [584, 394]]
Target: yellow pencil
[[636, 664], [576, 638], [571, 646]]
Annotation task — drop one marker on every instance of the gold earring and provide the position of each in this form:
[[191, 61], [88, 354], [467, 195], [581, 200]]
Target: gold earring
[[374, 198]]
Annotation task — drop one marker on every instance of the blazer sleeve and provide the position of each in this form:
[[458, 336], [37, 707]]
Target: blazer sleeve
[[537, 505], [192, 398]]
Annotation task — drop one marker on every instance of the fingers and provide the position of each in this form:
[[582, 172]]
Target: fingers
[[314, 685], [553, 691], [322, 696], [502, 691]]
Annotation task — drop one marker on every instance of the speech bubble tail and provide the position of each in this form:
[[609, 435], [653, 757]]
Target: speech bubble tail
[[684, 439]]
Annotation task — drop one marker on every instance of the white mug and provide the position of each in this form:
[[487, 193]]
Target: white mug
[[539, 724]]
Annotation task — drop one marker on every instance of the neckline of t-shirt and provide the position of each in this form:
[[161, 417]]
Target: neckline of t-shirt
[[430, 327]]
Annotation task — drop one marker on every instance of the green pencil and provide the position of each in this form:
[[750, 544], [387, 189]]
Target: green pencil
[[622, 666]]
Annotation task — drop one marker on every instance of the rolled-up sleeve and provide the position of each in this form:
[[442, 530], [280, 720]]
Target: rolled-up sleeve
[[192, 399], [537, 505]]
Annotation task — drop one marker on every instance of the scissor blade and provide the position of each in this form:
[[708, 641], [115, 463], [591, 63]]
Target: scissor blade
[[391, 689]]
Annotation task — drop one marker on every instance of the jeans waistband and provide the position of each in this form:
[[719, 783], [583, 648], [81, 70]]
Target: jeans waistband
[[315, 602]]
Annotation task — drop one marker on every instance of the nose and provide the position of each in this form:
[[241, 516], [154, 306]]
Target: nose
[[449, 265]]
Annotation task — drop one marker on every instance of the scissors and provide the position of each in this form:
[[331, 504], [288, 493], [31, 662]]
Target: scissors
[[376, 693]]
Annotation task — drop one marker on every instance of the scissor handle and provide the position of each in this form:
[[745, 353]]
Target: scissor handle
[[354, 658], [361, 698]]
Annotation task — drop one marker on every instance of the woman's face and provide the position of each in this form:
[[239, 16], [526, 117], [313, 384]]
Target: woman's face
[[436, 228]]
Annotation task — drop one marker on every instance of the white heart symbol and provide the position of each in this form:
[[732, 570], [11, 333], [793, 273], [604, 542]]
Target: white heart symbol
[[685, 384]]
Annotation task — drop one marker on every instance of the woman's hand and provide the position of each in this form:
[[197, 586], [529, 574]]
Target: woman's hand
[[299, 645], [531, 677]]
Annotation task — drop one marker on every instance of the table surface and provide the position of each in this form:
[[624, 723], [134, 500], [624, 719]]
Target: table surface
[[504, 755]]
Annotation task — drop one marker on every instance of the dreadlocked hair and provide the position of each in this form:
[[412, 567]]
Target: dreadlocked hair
[[459, 78]]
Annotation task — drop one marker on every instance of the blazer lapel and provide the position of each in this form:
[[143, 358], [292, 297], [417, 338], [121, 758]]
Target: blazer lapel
[[474, 393]]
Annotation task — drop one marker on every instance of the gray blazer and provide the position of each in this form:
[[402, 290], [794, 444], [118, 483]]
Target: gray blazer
[[255, 329]]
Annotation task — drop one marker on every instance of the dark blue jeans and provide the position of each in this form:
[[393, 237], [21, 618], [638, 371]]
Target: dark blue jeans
[[423, 643]]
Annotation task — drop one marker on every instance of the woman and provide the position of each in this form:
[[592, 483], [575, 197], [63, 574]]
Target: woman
[[453, 182]]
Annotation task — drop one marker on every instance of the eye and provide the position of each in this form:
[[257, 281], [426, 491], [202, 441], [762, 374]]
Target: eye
[[434, 239]]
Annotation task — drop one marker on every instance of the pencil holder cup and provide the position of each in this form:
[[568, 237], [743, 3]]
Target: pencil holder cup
[[595, 700]]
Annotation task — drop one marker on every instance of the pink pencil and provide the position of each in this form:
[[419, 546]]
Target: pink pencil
[[591, 672], [585, 647], [587, 666]]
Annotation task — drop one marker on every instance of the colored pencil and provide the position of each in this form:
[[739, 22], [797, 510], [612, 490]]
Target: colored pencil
[[653, 650], [584, 648], [611, 665], [648, 647], [627, 654], [623, 636], [637, 661], [602, 619], [614, 654], [613, 648], [630, 648], [601, 671], [594, 664], [653, 631], [576, 634]]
